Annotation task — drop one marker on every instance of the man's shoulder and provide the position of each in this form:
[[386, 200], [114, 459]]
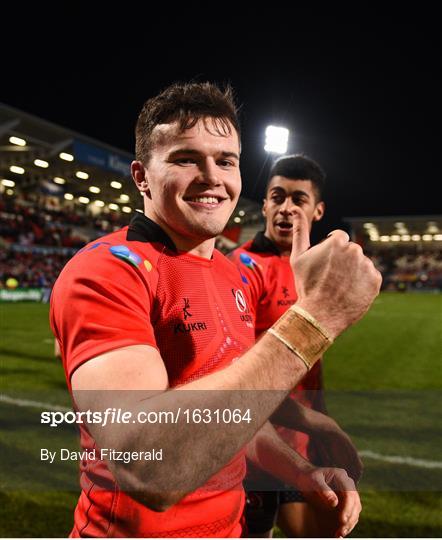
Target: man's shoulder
[[112, 256]]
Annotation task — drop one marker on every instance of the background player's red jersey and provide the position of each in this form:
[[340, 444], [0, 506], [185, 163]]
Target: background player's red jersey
[[272, 291]]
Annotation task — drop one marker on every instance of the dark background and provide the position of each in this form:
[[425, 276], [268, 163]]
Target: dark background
[[358, 90]]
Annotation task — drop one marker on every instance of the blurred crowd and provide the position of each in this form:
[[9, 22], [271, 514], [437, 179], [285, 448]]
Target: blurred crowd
[[39, 234]]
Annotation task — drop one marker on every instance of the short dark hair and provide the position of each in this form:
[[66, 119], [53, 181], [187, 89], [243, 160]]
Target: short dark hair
[[185, 103], [300, 167]]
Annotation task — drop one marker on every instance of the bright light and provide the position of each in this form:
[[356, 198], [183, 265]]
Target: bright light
[[405, 238], [9, 192], [416, 237], [427, 237], [113, 206], [395, 237], [66, 156], [16, 170], [399, 224], [94, 189], [116, 185], [402, 230], [83, 200], [99, 203], [241, 213], [432, 227], [17, 141], [369, 226], [8, 183], [69, 196], [124, 198], [237, 219], [82, 175], [385, 238], [127, 209], [59, 180], [276, 139], [41, 163], [437, 237], [374, 237]]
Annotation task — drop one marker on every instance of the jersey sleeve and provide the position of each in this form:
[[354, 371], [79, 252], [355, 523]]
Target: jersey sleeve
[[251, 274], [100, 303]]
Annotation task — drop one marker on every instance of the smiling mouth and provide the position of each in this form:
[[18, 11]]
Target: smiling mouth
[[205, 202]]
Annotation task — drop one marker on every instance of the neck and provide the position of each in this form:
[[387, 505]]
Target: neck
[[193, 246]]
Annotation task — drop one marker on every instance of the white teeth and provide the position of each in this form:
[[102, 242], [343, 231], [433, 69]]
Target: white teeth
[[205, 200]]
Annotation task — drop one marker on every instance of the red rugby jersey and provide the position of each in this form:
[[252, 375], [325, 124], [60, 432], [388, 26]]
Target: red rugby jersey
[[133, 287], [272, 291]]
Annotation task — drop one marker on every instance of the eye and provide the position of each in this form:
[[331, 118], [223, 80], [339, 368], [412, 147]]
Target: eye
[[277, 198], [225, 163], [185, 161]]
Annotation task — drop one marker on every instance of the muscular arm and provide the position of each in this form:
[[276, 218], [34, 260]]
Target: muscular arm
[[192, 453]]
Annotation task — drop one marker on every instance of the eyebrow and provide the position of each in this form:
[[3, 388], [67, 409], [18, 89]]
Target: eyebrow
[[192, 152], [296, 192]]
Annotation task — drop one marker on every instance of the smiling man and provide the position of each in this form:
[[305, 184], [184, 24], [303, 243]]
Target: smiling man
[[152, 319]]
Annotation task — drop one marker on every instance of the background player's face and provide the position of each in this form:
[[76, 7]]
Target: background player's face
[[284, 196], [193, 180]]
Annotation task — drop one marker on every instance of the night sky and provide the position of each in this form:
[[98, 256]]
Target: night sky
[[361, 97]]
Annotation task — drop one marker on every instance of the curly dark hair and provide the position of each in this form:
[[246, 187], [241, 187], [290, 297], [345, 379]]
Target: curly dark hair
[[185, 103]]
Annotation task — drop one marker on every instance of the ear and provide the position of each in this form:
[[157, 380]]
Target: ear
[[264, 207], [319, 211], [140, 177]]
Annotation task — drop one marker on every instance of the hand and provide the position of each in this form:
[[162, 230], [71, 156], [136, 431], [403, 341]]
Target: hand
[[333, 448], [336, 283], [332, 490]]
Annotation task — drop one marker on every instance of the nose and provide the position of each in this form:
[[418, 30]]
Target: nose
[[286, 207], [209, 172]]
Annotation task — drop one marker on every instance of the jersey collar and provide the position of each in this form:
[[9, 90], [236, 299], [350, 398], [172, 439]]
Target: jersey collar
[[262, 244], [143, 229]]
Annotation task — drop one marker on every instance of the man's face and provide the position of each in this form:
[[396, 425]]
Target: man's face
[[284, 196], [192, 179]]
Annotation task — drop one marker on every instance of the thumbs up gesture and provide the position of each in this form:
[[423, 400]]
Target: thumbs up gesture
[[335, 282]]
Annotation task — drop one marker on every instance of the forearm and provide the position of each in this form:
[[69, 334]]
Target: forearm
[[270, 453], [193, 452]]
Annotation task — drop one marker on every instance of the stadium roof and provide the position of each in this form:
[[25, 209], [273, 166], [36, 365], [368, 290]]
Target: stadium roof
[[38, 155], [396, 229]]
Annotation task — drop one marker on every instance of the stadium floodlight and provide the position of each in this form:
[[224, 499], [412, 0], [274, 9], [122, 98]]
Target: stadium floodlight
[[69, 196], [395, 237], [9, 192], [276, 139], [399, 224], [8, 183], [41, 163], [127, 209], [113, 206], [94, 189], [416, 237], [16, 170], [427, 237], [83, 200], [385, 238], [65, 156], [405, 238], [241, 213], [100, 204], [437, 237], [237, 219], [82, 175], [116, 185], [369, 226], [432, 227], [124, 198], [59, 180], [17, 140]]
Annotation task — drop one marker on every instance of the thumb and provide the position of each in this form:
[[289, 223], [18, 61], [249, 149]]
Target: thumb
[[326, 496], [301, 234]]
